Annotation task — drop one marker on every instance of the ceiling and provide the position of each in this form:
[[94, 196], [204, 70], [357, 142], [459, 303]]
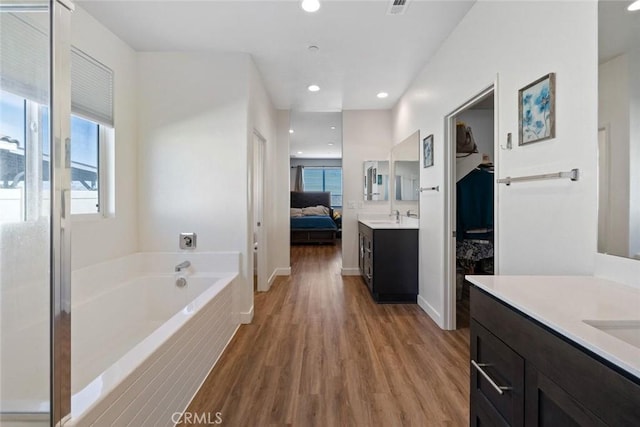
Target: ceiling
[[618, 29], [312, 135], [363, 50]]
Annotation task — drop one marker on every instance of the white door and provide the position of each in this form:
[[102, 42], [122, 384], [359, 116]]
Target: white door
[[259, 233]]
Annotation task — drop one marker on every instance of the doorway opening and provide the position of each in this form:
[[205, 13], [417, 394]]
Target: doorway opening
[[470, 246], [315, 144]]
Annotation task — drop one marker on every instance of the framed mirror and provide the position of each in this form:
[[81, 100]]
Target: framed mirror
[[618, 129], [405, 158], [376, 180]]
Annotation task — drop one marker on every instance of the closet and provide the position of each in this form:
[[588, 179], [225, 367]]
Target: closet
[[475, 179]]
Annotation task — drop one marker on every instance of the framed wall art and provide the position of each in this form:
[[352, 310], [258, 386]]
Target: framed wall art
[[427, 147], [536, 111]]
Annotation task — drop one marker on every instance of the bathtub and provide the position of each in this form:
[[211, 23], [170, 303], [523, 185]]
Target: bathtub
[[141, 346]]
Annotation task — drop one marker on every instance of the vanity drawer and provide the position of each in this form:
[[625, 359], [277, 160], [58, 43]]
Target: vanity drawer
[[497, 375]]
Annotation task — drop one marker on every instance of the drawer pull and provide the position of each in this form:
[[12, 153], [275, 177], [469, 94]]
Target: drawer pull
[[479, 366]]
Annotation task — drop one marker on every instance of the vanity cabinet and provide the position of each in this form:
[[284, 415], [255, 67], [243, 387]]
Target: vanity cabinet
[[523, 373], [388, 262]]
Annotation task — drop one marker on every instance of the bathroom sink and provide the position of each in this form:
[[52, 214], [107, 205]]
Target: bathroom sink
[[625, 330]]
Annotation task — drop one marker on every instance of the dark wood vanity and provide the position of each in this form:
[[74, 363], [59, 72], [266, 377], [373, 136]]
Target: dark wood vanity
[[388, 262], [526, 374]]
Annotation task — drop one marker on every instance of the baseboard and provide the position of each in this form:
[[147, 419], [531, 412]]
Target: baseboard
[[432, 312], [350, 271], [246, 317], [281, 271]]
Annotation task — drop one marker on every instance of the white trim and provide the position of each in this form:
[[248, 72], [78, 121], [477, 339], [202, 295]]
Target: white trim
[[431, 312], [246, 317], [350, 271], [448, 317], [282, 271], [277, 272]]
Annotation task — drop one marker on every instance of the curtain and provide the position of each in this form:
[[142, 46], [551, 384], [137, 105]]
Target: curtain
[[299, 182]]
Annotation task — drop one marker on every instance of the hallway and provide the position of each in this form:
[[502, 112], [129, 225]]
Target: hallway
[[320, 353]]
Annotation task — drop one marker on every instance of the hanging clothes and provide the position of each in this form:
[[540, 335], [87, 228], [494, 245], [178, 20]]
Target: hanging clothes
[[475, 205]]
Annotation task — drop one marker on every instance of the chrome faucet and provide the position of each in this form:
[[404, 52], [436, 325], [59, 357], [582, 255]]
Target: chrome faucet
[[409, 214], [396, 213], [183, 265]]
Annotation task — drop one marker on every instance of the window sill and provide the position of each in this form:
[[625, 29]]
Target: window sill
[[87, 217]]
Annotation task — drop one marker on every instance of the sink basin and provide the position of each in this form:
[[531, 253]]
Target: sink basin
[[625, 330]]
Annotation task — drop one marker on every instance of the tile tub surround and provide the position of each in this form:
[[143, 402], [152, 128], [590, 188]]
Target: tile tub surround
[[562, 303], [142, 346]]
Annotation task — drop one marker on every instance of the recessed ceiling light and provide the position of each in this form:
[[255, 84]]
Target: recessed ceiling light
[[290, 130], [382, 95], [634, 6], [313, 88], [299, 152], [331, 143], [310, 5], [313, 48], [333, 128]]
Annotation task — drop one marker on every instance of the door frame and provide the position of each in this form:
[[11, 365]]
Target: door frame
[[258, 192], [449, 273]]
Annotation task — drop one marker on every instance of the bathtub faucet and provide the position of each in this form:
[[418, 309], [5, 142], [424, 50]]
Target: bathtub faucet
[[183, 265]]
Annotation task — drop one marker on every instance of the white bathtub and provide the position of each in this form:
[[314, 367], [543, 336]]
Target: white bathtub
[[141, 346]]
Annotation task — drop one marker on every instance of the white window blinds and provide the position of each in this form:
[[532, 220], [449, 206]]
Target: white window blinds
[[91, 88], [24, 54], [24, 59]]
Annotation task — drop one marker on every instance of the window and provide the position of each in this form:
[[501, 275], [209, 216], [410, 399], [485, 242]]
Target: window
[[24, 124], [12, 157], [85, 174], [324, 179], [24, 136]]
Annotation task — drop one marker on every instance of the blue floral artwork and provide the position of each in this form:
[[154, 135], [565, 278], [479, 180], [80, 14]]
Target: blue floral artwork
[[427, 151], [537, 110]]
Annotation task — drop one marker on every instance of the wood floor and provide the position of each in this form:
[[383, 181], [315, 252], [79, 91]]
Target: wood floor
[[320, 353]]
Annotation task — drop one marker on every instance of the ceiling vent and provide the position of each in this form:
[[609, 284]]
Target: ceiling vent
[[398, 7]]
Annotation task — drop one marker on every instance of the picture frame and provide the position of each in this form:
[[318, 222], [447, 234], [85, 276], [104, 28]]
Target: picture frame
[[537, 110], [427, 151]]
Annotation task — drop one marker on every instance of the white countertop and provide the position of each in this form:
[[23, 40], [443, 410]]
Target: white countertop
[[389, 224], [563, 302]]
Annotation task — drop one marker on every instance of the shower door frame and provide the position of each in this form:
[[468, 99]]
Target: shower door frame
[[60, 186], [59, 51]]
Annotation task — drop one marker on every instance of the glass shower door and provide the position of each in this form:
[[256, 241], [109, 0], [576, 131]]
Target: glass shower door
[[31, 269]]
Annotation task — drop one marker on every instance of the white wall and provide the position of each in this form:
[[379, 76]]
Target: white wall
[[481, 123], [279, 241], [366, 135], [193, 158], [263, 119], [99, 240], [545, 227]]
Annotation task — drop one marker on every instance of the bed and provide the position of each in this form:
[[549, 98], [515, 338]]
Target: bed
[[312, 228]]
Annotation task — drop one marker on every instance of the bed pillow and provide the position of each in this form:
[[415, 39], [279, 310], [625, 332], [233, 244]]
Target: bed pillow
[[295, 212], [315, 210]]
